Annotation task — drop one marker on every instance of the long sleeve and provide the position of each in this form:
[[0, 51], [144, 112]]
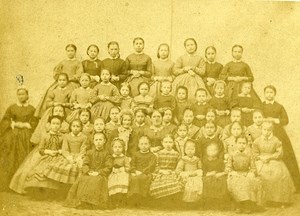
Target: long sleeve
[[50, 99], [133, 164], [178, 68], [57, 70], [86, 162], [127, 164], [249, 73], [108, 164], [6, 121], [78, 72], [65, 147], [148, 72], [255, 149], [123, 73], [152, 165], [115, 97], [224, 73], [200, 69], [94, 96], [42, 145], [279, 152], [180, 167], [228, 164], [283, 117]]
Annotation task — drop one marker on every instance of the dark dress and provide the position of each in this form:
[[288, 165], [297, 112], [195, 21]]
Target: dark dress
[[145, 163], [212, 70], [276, 110], [92, 189], [93, 68], [14, 143], [117, 67], [200, 109], [221, 104]]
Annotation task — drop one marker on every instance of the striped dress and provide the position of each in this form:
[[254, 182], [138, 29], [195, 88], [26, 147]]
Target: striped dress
[[165, 184]]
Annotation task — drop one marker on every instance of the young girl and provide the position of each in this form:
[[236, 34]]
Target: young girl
[[168, 122], [200, 107], [254, 130], [236, 130], [59, 96], [210, 117], [143, 100], [189, 68], [72, 67], [212, 68], [181, 139], [189, 168], [87, 126], [81, 97], [125, 132], [29, 173], [140, 123], [99, 127], [235, 116], [188, 118], [277, 182], [246, 103], [162, 69], [182, 102], [115, 64], [215, 191], [43, 125], [92, 66], [16, 127], [48, 151], [139, 66], [165, 182], [235, 72], [245, 188], [142, 166], [66, 167], [118, 180], [221, 103], [276, 113], [114, 122], [209, 136], [106, 95], [126, 99], [90, 191], [164, 100]]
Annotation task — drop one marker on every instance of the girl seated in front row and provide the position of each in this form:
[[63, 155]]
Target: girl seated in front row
[[142, 166], [90, 190], [189, 168]]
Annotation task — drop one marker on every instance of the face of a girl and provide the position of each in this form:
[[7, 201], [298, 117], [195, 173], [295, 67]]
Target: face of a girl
[[113, 50], [59, 111], [22, 95], [236, 130], [235, 115], [76, 127], [181, 94], [166, 88], [138, 46], [126, 121], [93, 52], [201, 97], [105, 75], [114, 115], [210, 55], [62, 81], [246, 89], [117, 148], [99, 141], [99, 125], [124, 91], [212, 150], [167, 116], [219, 89], [188, 117], [163, 52], [258, 118], [210, 116], [70, 52], [237, 53], [168, 143], [156, 119], [140, 117], [182, 131], [84, 81], [269, 94], [84, 117], [144, 90], [190, 47], [210, 129], [241, 144], [190, 149], [144, 144], [266, 129], [55, 125]]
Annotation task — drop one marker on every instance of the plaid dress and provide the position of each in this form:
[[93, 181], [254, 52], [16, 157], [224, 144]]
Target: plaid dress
[[165, 184]]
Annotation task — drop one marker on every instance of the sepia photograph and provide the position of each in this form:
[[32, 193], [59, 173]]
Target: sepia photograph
[[136, 107]]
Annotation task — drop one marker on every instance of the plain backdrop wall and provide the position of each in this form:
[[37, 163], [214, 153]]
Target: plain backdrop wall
[[34, 34]]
